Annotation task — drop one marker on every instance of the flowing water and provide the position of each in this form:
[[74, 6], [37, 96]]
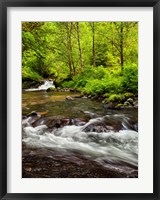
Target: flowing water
[[77, 138], [47, 84]]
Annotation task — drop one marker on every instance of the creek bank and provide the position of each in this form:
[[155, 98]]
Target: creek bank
[[110, 101]]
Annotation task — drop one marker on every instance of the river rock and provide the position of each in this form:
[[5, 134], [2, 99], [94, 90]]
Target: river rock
[[73, 90], [30, 119], [30, 131], [111, 123], [126, 104], [52, 122], [119, 106], [33, 114], [130, 100], [43, 163], [69, 98], [103, 125], [109, 105]]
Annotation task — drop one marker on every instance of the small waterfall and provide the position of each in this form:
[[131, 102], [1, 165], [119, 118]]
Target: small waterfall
[[47, 84]]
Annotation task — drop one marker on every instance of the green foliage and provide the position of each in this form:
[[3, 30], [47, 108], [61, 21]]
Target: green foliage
[[68, 84], [130, 79], [81, 79], [65, 51], [95, 87], [116, 98], [101, 72], [28, 73]]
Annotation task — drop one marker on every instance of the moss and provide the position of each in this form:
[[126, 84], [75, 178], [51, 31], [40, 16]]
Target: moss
[[119, 106], [116, 98], [106, 95], [128, 95], [51, 89]]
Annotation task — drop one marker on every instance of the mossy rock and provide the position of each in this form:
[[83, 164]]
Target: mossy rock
[[51, 89], [128, 95], [119, 106], [126, 104], [130, 100], [119, 98]]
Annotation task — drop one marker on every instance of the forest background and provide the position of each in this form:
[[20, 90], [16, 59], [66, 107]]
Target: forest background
[[94, 58]]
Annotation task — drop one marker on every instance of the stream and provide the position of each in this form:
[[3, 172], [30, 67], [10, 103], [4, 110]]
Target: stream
[[77, 137]]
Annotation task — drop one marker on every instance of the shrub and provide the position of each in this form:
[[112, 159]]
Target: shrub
[[130, 79], [94, 87], [69, 84], [28, 73]]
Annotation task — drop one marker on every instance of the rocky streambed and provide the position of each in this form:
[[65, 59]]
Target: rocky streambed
[[77, 138]]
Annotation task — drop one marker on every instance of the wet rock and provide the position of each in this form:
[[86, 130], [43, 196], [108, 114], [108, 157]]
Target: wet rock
[[135, 104], [28, 169], [52, 122], [130, 100], [111, 123], [104, 126], [73, 90], [30, 119], [78, 122], [127, 104], [98, 128], [90, 114], [59, 165], [33, 114], [39, 130], [24, 117], [69, 98], [109, 105], [119, 106]]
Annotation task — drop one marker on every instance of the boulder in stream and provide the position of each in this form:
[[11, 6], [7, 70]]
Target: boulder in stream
[[69, 98]]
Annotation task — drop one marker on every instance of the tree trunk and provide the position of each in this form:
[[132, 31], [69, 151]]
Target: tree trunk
[[93, 45], [69, 26], [79, 44], [121, 46]]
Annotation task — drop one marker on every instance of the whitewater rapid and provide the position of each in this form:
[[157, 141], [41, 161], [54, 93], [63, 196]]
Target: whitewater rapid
[[104, 147]]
